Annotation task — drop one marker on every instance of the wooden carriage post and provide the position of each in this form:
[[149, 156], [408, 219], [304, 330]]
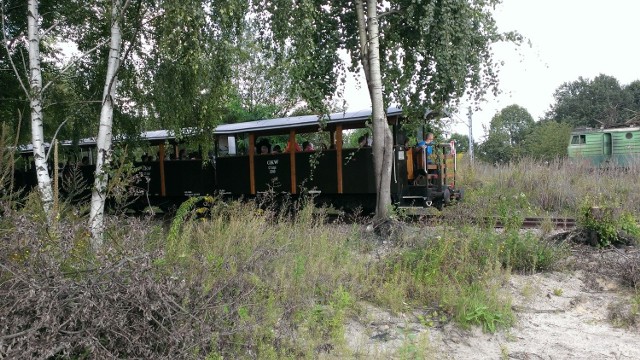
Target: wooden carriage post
[[442, 162], [339, 156], [292, 158], [252, 169], [163, 189]]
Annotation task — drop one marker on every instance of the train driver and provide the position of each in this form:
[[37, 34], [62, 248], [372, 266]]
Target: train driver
[[426, 144]]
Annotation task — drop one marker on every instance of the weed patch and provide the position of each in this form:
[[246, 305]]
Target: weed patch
[[608, 225]]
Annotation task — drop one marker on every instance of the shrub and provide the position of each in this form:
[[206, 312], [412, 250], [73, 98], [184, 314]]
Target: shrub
[[608, 225], [529, 253]]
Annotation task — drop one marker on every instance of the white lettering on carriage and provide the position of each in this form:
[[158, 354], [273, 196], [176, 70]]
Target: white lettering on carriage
[[272, 165]]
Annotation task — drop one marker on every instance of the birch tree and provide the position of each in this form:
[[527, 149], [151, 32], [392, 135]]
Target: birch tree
[[368, 30], [35, 100], [418, 54], [99, 191], [33, 92]]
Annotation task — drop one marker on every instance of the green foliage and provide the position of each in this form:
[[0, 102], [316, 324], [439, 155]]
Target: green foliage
[[557, 188], [276, 277], [528, 253], [7, 163], [261, 77], [609, 224], [506, 134], [495, 202], [462, 142], [432, 53], [547, 141], [193, 62], [481, 315], [601, 101], [456, 272]]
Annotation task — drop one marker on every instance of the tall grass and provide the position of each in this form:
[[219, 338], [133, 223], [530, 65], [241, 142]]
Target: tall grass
[[558, 187]]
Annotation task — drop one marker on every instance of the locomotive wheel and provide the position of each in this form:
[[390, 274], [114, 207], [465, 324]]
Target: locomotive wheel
[[446, 196]]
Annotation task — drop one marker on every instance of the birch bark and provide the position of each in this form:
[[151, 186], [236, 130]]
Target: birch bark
[[99, 191], [382, 138], [35, 99]]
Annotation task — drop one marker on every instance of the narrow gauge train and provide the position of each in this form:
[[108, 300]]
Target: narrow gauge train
[[337, 175], [611, 146]]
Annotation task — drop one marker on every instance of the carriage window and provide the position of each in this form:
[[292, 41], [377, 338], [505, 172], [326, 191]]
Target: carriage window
[[231, 140], [578, 139], [629, 135], [227, 145]]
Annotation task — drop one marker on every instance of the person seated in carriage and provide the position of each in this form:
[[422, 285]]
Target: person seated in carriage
[[427, 145], [423, 151]]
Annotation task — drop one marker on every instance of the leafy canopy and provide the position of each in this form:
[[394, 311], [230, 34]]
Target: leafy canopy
[[506, 134], [432, 52], [598, 102]]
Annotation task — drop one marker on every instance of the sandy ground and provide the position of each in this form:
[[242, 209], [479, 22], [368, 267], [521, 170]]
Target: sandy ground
[[560, 315]]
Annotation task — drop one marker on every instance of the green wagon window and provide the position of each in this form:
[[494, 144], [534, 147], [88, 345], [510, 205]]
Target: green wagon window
[[629, 135], [578, 139]]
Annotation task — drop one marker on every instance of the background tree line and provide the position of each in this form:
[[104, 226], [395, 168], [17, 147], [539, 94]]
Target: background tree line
[[601, 102]]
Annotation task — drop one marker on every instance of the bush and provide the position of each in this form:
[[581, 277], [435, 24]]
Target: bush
[[529, 253], [608, 225]]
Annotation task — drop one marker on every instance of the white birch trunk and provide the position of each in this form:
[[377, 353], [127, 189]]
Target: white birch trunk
[[99, 192], [35, 98], [382, 138]]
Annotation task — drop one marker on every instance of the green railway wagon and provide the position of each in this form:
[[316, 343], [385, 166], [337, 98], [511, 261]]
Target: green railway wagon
[[612, 146]]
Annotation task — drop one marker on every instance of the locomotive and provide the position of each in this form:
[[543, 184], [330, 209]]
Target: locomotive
[[610, 146], [336, 174]]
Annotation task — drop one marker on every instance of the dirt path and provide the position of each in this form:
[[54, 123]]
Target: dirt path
[[561, 315]]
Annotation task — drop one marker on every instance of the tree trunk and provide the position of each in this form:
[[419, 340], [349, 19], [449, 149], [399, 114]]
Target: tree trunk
[[35, 98], [99, 192], [382, 138]]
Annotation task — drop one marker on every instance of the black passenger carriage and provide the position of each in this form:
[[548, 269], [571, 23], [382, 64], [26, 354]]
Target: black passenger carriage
[[338, 175], [165, 178], [168, 177]]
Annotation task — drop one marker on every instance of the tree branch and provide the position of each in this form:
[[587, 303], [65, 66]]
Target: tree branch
[[362, 31], [115, 75], [46, 158], [72, 62], [13, 65], [50, 28], [390, 12], [18, 334]]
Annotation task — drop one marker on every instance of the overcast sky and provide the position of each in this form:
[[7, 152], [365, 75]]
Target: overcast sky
[[569, 39]]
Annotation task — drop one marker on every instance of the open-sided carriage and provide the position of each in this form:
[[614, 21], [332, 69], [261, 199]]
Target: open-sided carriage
[[339, 174]]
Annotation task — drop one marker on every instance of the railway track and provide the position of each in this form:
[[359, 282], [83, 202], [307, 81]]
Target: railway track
[[558, 223], [526, 223], [421, 215]]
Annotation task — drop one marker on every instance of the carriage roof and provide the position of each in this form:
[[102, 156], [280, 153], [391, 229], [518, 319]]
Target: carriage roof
[[305, 121], [265, 125]]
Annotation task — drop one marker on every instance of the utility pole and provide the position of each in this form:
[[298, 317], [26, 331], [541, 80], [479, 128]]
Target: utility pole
[[470, 134]]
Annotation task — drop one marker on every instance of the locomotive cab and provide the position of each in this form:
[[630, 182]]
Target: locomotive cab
[[431, 179]]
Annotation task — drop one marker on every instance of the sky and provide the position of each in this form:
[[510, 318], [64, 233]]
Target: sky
[[569, 39]]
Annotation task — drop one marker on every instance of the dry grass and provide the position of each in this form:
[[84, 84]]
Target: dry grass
[[557, 188]]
